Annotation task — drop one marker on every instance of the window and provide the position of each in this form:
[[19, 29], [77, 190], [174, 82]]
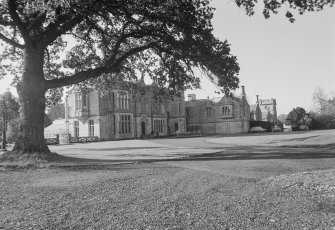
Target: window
[[227, 111], [227, 127], [114, 124], [111, 99], [162, 108], [209, 111], [159, 125], [125, 124], [84, 96], [78, 101], [176, 126], [105, 102], [143, 106], [90, 127], [123, 100], [76, 128]]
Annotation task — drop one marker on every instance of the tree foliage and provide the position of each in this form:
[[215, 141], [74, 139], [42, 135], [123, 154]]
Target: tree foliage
[[322, 121], [162, 38], [273, 6], [117, 39], [9, 103], [56, 111], [297, 117]]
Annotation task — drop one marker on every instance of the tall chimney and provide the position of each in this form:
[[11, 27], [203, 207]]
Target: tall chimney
[[191, 97], [257, 99], [243, 91]]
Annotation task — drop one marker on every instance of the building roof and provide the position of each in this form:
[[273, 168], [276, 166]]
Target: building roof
[[212, 101], [57, 127]]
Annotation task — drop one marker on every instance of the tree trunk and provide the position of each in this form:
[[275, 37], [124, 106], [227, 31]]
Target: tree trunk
[[31, 90]]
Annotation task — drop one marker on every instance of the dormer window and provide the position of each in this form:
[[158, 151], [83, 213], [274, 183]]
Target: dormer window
[[209, 112], [227, 111]]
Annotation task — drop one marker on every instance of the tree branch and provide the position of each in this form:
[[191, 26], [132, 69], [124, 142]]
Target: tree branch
[[11, 42], [38, 21], [134, 51], [53, 31], [17, 21], [78, 77], [94, 73]]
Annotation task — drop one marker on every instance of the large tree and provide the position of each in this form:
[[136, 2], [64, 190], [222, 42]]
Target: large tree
[[297, 117], [113, 39]]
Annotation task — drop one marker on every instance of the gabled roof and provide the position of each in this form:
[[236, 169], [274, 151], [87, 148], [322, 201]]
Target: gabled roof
[[57, 126], [253, 108], [212, 101]]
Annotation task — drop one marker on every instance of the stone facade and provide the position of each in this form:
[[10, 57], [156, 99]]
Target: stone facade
[[264, 110], [121, 114], [225, 115]]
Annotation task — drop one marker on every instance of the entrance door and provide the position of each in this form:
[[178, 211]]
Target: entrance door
[[143, 129]]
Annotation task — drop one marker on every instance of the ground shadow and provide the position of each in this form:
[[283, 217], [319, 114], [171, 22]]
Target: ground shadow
[[260, 153]]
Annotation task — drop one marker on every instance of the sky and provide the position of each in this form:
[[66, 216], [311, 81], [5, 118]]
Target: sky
[[278, 59]]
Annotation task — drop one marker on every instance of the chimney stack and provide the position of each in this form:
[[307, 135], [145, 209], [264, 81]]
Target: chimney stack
[[191, 97], [243, 91], [257, 99]]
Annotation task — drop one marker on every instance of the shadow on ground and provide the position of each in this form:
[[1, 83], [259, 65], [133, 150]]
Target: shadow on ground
[[230, 153], [263, 153]]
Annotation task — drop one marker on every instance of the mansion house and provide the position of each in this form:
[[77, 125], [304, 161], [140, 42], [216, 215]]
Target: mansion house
[[120, 114]]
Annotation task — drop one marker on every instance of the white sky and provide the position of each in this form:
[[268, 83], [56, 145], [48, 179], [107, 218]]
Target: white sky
[[278, 59]]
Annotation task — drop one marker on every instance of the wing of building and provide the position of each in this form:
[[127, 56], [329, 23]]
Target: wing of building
[[224, 115]]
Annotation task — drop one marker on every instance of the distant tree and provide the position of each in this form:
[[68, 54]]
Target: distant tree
[[12, 129], [56, 111], [325, 104], [322, 121], [296, 117], [282, 118], [9, 104], [320, 98], [330, 107]]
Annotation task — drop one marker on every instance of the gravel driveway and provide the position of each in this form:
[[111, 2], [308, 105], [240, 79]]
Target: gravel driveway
[[189, 194], [244, 187]]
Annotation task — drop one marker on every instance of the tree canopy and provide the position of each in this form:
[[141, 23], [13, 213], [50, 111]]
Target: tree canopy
[[162, 38], [291, 6], [56, 111], [165, 39]]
